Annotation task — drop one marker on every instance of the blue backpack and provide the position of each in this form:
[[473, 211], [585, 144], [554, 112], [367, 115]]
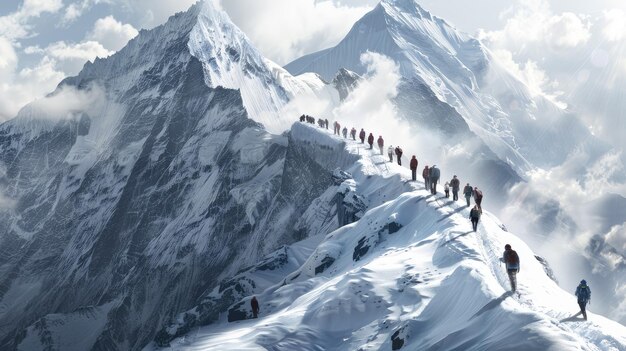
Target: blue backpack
[[583, 293]]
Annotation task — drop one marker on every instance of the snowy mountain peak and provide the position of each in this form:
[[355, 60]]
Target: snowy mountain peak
[[396, 7]]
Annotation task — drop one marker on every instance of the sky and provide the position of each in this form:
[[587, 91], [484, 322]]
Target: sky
[[571, 51]]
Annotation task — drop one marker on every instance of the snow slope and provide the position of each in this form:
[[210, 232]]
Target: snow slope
[[409, 275]]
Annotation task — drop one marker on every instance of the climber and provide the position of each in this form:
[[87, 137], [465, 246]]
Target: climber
[[302, 118], [426, 176], [370, 140], [399, 155], [353, 133], [468, 192], [326, 123], [390, 151], [434, 174], [320, 122], [511, 260], [455, 184], [344, 131], [254, 303], [413, 166], [381, 143], [337, 128], [475, 216], [583, 293], [446, 189], [478, 196], [362, 135]]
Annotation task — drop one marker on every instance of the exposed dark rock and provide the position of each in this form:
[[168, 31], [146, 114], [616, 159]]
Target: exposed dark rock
[[361, 249], [326, 262]]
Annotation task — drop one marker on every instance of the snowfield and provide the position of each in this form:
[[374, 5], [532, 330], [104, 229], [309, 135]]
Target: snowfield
[[410, 275]]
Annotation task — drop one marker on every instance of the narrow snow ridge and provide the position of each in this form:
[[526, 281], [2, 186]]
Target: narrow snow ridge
[[410, 274]]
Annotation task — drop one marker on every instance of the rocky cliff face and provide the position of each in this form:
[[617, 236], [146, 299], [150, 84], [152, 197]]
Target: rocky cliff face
[[130, 207]]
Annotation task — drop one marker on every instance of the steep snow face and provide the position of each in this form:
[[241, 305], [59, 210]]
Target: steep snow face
[[410, 275], [438, 63], [230, 61]]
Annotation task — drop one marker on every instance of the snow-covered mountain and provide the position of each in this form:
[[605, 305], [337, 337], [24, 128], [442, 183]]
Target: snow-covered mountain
[[409, 275], [151, 197], [143, 181], [452, 83], [491, 129]]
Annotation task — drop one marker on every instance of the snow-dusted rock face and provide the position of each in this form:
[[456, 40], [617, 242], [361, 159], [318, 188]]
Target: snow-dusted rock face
[[131, 205], [409, 275]]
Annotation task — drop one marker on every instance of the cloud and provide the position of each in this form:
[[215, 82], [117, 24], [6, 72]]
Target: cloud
[[8, 59], [70, 57], [616, 237], [112, 34], [305, 26], [76, 9], [535, 79], [67, 102], [88, 50], [614, 25], [19, 88], [17, 24]]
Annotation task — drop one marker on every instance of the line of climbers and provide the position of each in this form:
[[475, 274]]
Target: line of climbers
[[431, 176]]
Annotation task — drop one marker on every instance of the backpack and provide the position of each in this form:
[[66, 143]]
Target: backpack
[[512, 258], [583, 293]]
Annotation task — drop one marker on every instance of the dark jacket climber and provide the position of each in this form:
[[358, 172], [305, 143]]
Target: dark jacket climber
[[413, 167], [344, 131], [353, 133], [583, 293], [478, 196], [434, 175], [399, 155], [381, 143], [254, 303], [511, 260], [468, 192], [337, 128], [370, 140], [426, 176], [362, 135], [455, 184], [475, 217]]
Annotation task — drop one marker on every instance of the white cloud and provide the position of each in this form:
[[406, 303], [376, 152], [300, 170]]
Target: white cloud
[[616, 237], [614, 25], [88, 50], [20, 88], [67, 101], [17, 24], [305, 26], [567, 30], [8, 59], [76, 9], [112, 34]]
